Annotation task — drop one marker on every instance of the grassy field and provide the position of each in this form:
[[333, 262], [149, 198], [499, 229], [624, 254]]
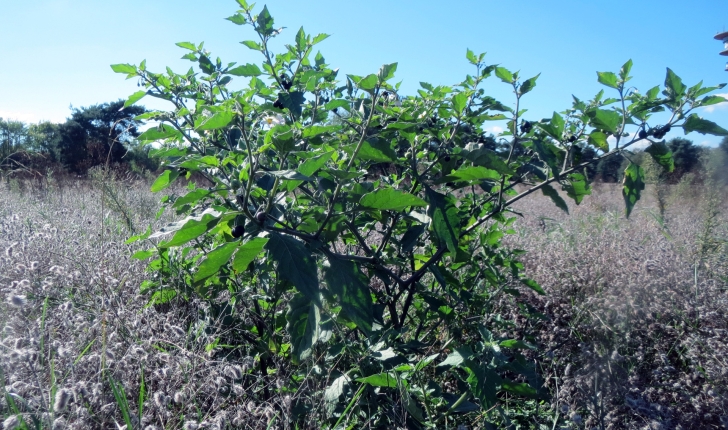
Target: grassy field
[[634, 331]]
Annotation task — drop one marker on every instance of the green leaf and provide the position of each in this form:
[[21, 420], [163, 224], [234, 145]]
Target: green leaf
[[281, 136], [303, 319], [577, 187], [265, 22], [443, 211], [192, 229], [514, 344], [255, 46], [245, 70], [624, 71], [520, 389], [484, 384], [187, 45], [674, 84], [608, 78], [662, 154], [555, 127], [301, 40], [296, 264], [460, 102], [607, 120], [455, 358], [598, 140], [155, 133], [124, 68], [293, 101], [391, 200], [164, 180], [319, 38], [162, 296], [703, 126], [470, 55], [482, 156], [504, 74], [134, 98], [386, 72], [470, 174], [378, 150], [346, 280], [712, 100], [367, 83], [549, 191], [238, 19], [217, 120], [632, 185], [530, 283], [247, 253], [528, 85], [215, 260], [316, 130], [380, 380]]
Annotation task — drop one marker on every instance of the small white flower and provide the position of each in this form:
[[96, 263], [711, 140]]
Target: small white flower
[[273, 120]]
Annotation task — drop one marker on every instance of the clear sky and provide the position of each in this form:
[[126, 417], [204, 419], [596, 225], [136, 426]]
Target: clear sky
[[56, 53]]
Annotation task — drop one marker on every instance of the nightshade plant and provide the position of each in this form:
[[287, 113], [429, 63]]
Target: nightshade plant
[[350, 237]]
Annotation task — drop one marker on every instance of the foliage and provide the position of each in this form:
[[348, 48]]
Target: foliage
[[374, 287]]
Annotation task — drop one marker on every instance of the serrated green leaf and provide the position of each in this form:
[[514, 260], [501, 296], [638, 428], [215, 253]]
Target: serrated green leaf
[[319, 38], [712, 100], [598, 140], [316, 130], [470, 55], [504, 74], [164, 180], [577, 187], [214, 260], [192, 229], [662, 154], [703, 126], [238, 19], [281, 136], [134, 98], [155, 133], [265, 22], [603, 119], [295, 263], [252, 45], [303, 320], [386, 72], [351, 286], [459, 102], [528, 85], [549, 191], [124, 68], [245, 70], [624, 71], [187, 45], [632, 185], [380, 380], [391, 200], [217, 120], [470, 174], [443, 211], [608, 78], [247, 252], [378, 150], [674, 84]]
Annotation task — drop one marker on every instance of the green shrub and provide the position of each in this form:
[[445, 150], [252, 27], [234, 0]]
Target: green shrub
[[368, 278]]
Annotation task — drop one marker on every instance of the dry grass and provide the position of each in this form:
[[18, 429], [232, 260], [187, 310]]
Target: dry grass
[[634, 336]]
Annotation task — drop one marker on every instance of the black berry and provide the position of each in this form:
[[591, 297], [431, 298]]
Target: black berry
[[447, 158], [526, 127], [642, 134], [666, 129], [572, 139], [238, 231], [260, 216]]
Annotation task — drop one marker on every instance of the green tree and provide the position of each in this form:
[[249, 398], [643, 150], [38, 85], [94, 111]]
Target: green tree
[[686, 156], [13, 137], [96, 134]]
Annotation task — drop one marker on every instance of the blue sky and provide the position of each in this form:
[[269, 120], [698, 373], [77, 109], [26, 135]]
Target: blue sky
[[57, 52]]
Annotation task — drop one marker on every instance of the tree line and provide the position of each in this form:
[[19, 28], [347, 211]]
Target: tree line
[[100, 134]]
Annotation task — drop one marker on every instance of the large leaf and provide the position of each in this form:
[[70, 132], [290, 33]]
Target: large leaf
[[390, 199], [599, 140], [134, 98], [674, 84], [633, 184], [661, 153], [443, 211], [455, 358], [333, 393], [481, 156], [303, 319], [504, 74], [555, 127], [295, 264], [124, 68], [192, 229], [528, 85], [215, 260], [484, 384], [247, 253], [164, 180], [607, 78], [265, 21], [346, 280], [577, 187], [217, 120], [380, 380], [470, 174], [245, 70], [293, 101], [603, 119], [703, 126], [549, 191], [378, 150], [459, 102], [165, 131]]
